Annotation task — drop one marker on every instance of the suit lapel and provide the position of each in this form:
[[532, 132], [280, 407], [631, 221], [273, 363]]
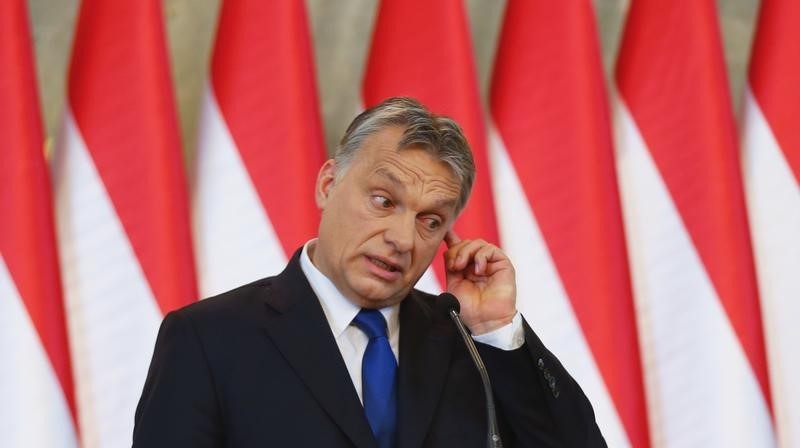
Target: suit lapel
[[426, 346], [299, 329]]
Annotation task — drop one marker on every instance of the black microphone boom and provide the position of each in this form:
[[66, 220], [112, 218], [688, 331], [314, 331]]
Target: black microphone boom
[[447, 304]]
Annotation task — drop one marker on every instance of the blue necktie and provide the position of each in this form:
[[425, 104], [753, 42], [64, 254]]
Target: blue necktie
[[378, 378]]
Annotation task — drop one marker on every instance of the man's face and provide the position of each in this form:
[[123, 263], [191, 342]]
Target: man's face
[[383, 221]]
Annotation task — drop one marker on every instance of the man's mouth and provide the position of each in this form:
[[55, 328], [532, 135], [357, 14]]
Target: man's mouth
[[383, 265]]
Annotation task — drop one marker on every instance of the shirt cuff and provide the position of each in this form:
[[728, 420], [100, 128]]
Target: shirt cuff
[[508, 337]]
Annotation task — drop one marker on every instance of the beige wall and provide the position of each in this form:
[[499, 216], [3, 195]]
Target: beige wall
[[341, 30]]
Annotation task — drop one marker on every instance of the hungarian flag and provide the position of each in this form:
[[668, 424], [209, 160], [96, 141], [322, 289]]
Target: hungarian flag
[[37, 402], [558, 206], [260, 145], [687, 230], [422, 49], [771, 149], [122, 210]]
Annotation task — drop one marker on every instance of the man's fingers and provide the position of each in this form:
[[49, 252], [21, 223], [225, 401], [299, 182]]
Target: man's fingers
[[482, 258], [479, 253], [463, 253], [451, 239]]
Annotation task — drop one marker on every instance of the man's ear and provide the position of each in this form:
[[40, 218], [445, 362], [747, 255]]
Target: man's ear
[[325, 181]]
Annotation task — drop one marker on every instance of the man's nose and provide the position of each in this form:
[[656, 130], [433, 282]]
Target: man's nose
[[400, 232]]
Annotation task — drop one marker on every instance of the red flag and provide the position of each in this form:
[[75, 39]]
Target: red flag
[[260, 145], [771, 148], [422, 49], [34, 352], [122, 209], [558, 205], [693, 271]]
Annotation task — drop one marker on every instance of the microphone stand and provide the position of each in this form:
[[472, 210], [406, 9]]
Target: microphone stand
[[493, 435]]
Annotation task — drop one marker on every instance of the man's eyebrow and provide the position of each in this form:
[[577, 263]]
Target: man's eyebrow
[[445, 203], [383, 172]]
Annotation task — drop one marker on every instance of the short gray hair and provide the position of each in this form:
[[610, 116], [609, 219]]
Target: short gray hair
[[440, 136]]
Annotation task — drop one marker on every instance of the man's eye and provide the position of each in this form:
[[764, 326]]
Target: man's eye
[[381, 201], [432, 223]]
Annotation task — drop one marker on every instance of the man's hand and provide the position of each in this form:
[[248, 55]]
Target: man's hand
[[481, 276]]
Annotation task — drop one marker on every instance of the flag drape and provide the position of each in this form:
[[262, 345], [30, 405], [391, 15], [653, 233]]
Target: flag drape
[[558, 205], [36, 387], [771, 150], [688, 238], [121, 210], [260, 145]]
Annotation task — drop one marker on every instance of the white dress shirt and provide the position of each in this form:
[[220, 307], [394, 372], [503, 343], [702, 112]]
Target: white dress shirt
[[352, 342]]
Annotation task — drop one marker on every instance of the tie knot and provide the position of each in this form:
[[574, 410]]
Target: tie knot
[[371, 322]]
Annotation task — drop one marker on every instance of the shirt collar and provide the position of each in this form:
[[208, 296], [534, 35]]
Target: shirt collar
[[339, 311]]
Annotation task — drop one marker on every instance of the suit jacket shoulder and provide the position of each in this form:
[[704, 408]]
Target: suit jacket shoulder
[[255, 366]]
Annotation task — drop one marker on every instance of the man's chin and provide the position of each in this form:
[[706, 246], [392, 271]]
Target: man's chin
[[372, 295]]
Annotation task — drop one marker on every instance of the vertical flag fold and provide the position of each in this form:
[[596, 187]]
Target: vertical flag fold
[[260, 145], [688, 237], [121, 209], [771, 151], [558, 205], [37, 400]]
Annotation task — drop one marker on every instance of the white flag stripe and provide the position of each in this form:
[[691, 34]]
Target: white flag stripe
[[700, 386], [773, 196], [33, 412], [234, 240], [113, 317], [541, 297]]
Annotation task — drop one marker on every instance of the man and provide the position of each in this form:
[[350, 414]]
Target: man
[[338, 350]]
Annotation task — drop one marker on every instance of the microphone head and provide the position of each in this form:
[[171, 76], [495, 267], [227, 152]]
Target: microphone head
[[446, 302]]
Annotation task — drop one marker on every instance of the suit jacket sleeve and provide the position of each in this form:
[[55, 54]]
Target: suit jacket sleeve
[[178, 406], [540, 403]]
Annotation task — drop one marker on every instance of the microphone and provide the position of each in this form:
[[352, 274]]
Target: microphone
[[447, 304]]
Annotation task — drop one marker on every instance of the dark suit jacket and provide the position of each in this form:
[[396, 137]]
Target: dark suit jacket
[[259, 367]]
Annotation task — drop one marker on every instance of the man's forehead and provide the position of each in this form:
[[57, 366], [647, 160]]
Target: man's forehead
[[409, 166], [387, 154]]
